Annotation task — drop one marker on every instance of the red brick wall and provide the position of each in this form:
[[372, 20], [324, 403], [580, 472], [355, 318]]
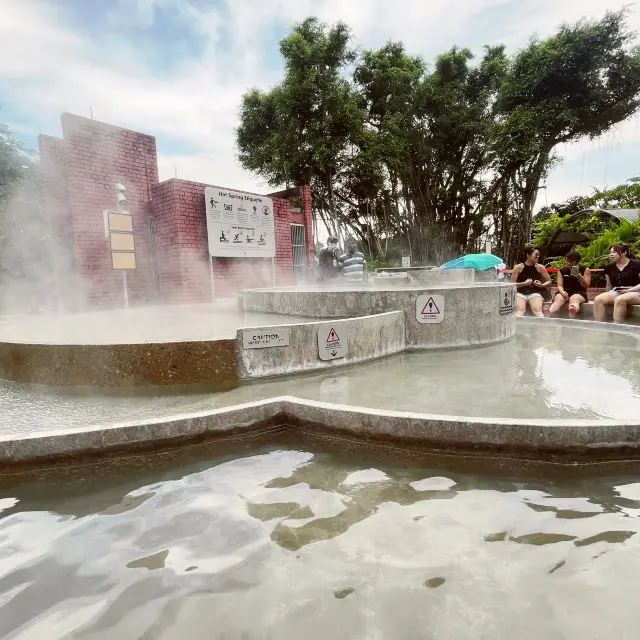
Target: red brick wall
[[98, 156], [79, 177], [305, 202], [183, 252]]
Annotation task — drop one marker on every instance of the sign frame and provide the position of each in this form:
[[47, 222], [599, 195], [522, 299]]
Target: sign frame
[[265, 338], [433, 302], [239, 224], [333, 341], [507, 300]]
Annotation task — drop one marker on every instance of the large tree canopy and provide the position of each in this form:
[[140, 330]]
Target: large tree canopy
[[435, 159]]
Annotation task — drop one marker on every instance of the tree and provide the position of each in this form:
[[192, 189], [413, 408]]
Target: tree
[[578, 83], [15, 165], [301, 131], [435, 160], [24, 232], [624, 196]]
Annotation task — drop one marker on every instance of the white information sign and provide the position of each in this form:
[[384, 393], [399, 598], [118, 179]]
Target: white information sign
[[239, 225], [332, 341], [263, 338], [430, 309], [406, 262], [507, 300]]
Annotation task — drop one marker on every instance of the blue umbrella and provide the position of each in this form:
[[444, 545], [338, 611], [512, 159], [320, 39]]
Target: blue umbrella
[[477, 261]]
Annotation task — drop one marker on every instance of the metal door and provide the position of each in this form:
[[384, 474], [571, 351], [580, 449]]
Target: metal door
[[151, 223], [299, 252]]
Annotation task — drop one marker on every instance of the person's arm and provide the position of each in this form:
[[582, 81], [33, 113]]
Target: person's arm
[[517, 270], [560, 285], [585, 280], [545, 278], [608, 279], [636, 287]]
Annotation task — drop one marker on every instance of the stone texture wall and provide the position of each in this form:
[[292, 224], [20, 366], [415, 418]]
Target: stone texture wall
[[368, 338], [472, 314]]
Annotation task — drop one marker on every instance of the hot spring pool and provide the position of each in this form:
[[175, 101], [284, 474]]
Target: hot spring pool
[[284, 541], [546, 371]]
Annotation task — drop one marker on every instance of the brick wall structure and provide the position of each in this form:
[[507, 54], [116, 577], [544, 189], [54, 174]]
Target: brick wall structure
[[80, 172]]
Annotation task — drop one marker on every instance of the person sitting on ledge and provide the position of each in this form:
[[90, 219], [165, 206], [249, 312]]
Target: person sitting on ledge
[[531, 279], [573, 282], [623, 284]]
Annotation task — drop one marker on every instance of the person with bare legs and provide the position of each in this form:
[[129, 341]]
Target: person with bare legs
[[531, 279], [623, 284], [573, 282]]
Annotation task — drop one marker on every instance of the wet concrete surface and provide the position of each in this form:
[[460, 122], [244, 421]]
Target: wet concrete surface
[[318, 545], [547, 371]]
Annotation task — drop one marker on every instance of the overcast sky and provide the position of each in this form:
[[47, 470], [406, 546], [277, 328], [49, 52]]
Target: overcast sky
[[177, 69]]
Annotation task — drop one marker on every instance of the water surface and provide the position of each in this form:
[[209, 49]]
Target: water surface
[[547, 371], [289, 542]]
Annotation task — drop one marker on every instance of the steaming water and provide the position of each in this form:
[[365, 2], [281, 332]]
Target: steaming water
[[150, 324], [288, 543], [545, 372]]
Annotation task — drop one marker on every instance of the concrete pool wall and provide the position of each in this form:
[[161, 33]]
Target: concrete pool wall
[[564, 439], [377, 322], [367, 338], [470, 316]]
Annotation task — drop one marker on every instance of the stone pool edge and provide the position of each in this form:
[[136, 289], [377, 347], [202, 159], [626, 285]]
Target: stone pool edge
[[569, 439]]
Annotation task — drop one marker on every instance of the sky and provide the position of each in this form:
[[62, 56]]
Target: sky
[[177, 69]]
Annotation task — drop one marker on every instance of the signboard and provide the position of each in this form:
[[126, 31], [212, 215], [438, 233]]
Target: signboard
[[332, 341], [430, 309], [123, 261], [118, 227], [406, 262], [507, 300], [239, 225], [264, 338]]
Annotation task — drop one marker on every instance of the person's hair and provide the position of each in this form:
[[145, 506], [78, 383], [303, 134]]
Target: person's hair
[[573, 255], [529, 251], [350, 239], [620, 249]]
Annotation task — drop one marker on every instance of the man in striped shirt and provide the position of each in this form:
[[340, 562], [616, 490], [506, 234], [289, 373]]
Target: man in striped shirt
[[352, 262]]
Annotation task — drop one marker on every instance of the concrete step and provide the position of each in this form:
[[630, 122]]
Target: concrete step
[[586, 313]]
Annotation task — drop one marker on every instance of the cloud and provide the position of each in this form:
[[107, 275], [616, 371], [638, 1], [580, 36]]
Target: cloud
[[51, 64]]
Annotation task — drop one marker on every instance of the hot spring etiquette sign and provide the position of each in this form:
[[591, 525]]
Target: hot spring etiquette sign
[[332, 341], [239, 224]]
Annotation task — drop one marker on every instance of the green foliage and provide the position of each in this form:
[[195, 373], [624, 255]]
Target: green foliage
[[437, 158], [372, 265], [596, 254], [15, 165], [544, 229], [624, 196]]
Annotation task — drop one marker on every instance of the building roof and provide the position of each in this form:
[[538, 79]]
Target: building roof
[[630, 215]]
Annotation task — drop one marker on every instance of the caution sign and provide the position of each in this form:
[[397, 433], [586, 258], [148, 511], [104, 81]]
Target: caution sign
[[507, 300], [333, 336], [333, 341], [430, 309]]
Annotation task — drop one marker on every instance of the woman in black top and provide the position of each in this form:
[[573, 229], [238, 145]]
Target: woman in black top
[[573, 282], [531, 279], [623, 284]]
